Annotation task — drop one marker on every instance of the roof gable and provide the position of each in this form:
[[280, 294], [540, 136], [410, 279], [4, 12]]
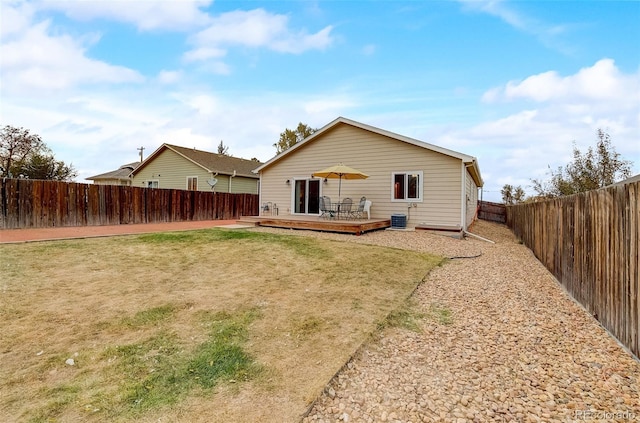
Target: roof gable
[[211, 162], [121, 173], [470, 161]]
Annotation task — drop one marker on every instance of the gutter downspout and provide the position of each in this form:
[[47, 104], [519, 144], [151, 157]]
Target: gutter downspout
[[477, 236], [259, 193], [463, 191], [231, 177], [464, 195]]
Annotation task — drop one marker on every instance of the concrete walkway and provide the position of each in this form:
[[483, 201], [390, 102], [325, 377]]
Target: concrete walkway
[[48, 234]]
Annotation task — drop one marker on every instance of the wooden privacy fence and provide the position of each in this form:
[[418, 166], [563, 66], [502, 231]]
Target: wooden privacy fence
[[493, 212], [40, 204], [590, 243]]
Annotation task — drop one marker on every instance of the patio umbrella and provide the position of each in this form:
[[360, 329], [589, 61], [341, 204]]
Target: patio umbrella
[[340, 172]]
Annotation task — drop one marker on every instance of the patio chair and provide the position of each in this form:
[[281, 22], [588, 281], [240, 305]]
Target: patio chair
[[345, 208], [359, 211], [367, 208], [326, 212]]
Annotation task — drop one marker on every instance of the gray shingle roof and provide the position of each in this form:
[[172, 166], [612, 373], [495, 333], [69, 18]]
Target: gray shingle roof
[[220, 163], [122, 173], [212, 162]]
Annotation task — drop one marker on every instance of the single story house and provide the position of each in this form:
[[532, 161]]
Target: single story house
[[434, 187], [120, 176], [172, 166]]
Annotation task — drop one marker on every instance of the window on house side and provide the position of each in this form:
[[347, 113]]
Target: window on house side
[[407, 186], [192, 183]]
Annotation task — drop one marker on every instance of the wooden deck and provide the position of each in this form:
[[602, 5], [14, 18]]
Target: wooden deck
[[355, 227]]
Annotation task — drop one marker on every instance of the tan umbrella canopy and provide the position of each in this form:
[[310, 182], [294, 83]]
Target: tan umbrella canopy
[[340, 172]]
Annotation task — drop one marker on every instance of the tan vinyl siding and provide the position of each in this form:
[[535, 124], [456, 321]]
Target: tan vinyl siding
[[471, 199], [175, 169], [379, 157], [244, 185]]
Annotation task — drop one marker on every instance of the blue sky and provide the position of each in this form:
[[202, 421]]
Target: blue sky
[[513, 83]]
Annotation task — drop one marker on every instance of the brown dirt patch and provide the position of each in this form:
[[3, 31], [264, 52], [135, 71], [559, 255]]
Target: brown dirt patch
[[316, 301]]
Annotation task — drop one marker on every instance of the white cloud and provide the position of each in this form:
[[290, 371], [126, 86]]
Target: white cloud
[[547, 34], [330, 106], [525, 142], [15, 17], [602, 81], [185, 137], [203, 104], [35, 59], [146, 15], [169, 77], [255, 29], [204, 53], [216, 67], [499, 9]]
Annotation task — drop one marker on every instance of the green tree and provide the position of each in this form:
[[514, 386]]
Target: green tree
[[290, 137], [223, 149], [16, 144], [43, 165], [512, 195], [23, 154], [597, 168]]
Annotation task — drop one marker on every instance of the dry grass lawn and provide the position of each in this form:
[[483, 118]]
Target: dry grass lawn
[[214, 325]]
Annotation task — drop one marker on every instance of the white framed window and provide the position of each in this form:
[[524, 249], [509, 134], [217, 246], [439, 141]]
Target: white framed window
[[406, 186], [192, 183], [153, 184]]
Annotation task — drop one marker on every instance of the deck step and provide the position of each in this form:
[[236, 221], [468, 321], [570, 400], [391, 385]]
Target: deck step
[[355, 227], [248, 220]]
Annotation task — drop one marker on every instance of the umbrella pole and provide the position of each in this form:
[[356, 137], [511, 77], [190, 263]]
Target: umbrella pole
[[339, 195]]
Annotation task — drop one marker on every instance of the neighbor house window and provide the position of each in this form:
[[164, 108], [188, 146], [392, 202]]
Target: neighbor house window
[[152, 184], [192, 183], [406, 186]]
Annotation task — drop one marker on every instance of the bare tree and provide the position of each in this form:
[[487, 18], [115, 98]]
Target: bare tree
[[223, 149], [16, 144], [26, 155], [512, 195]]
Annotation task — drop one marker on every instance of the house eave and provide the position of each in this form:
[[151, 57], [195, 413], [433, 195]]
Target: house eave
[[166, 146], [342, 120]]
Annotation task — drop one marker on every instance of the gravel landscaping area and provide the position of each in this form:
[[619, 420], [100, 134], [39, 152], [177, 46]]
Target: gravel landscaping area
[[499, 340]]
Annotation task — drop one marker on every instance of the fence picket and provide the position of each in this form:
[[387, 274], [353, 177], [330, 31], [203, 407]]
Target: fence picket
[[28, 203], [590, 242]]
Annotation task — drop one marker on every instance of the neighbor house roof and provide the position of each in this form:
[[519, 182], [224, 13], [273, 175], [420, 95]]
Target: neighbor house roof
[[470, 161], [630, 180], [211, 162], [121, 173]]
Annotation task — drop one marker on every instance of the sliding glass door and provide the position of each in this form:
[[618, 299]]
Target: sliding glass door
[[306, 198]]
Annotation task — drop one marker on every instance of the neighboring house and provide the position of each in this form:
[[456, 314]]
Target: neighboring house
[[630, 180], [121, 176], [434, 187], [171, 166]]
